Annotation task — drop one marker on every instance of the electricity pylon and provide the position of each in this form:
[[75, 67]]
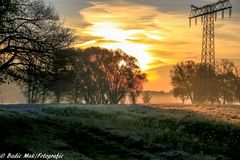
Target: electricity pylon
[[208, 15]]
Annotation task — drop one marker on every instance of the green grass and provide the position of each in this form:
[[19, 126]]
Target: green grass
[[120, 132]]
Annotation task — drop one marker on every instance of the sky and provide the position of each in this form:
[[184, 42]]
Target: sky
[[156, 32]]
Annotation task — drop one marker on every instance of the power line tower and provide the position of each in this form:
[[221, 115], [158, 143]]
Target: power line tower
[[208, 15]]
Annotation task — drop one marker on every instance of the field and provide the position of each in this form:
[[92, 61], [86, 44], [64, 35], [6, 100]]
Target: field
[[128, 132]]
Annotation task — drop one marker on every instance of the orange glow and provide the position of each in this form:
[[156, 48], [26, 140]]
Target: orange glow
[[135, 50], [157, 39]]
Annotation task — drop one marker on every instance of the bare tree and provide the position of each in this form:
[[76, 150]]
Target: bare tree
[[30, 33]]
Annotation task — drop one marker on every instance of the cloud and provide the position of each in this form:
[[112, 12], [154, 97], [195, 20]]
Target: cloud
[[132, 28], [156, 32], [133, 23]]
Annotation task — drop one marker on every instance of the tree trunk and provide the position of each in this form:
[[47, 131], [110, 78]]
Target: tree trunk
[[191, 98], [29, 92], [44, 95], [183, 101], [57, 98], [75, 96]]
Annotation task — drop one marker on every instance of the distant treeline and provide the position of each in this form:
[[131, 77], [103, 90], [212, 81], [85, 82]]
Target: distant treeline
[[157, 93], [204, 84]]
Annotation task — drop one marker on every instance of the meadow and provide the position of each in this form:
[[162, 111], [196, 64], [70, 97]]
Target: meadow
[[129, 132]]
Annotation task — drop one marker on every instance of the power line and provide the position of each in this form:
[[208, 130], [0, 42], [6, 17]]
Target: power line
[[208, 15]]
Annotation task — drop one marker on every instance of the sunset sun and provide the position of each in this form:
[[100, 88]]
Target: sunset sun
[[112, 36], [135, 50]]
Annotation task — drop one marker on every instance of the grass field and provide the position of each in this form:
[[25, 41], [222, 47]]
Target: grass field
[[106, 132]]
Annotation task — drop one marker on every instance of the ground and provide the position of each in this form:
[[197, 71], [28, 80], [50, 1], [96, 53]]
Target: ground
[[128, 132]]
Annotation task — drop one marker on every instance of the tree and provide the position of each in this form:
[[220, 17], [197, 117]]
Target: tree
[[182, 79], [146, 97], [227, 80], [182, 93], [132, 96], [72, 56], [62, 75], [34, 86], [30, 33], [205, 85], [107, 76], [237, 83]]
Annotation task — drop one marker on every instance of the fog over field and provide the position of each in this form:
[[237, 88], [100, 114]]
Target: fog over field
[[11, 93]]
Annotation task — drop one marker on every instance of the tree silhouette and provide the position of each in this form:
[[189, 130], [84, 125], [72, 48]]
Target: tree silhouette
[[182, 79], [204, 84], [60, 81], [237, 83], [146, 97], [225, 72], [107, 76], [30, 33]]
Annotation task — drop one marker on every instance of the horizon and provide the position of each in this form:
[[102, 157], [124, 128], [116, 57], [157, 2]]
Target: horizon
[[157, 33], [14, 95]]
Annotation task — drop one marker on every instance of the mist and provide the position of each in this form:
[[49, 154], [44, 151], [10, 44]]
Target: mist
[[11, 93]]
